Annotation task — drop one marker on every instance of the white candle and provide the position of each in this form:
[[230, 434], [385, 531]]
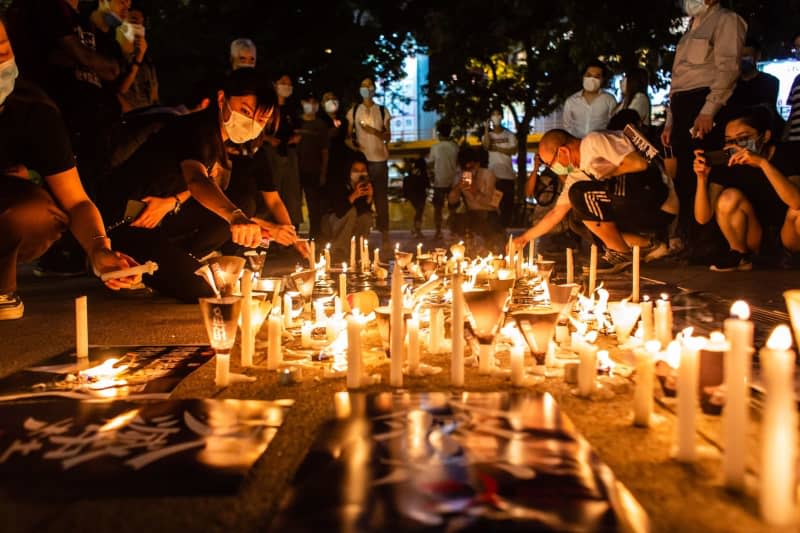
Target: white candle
[[248, 336], [436, 333], [223, 370], [337, 307], [353, 252], [274, 355], [360, 253], [643, 393], [419, 251], [305, 334], [625, 315], [376, 262], [636, 261], [510, 246], [396, 326], [687, 397], [457, 359], [562, 335], [646, 307], [587, 371], [663, 321], [319, 311], [739, 332], [288, 321], [365, 256], [312, 255], [328, 257], [413, 343], [532, 252], [517, 365], [779, 431], [343, 287], [570, 267], [81, 327], [592, 269], [354, 357]]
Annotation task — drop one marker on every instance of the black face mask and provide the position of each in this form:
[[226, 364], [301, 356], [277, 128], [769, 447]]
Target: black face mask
[[748, 65]]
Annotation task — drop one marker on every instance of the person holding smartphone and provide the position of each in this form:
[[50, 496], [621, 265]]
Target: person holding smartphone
[[480, 197], [753, 194], [351, 208]]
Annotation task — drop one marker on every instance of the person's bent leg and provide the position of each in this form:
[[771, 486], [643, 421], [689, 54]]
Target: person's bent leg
[[790, 231], [592, 204], [506, 202], [379, 175], [342, 230], [737, 220], [439, 194]]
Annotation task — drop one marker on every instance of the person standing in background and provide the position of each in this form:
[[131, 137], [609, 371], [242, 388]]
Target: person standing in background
[[501, 145], [793, 124], [312, 156], [138, 87], [444, 158], [634, 94], [243, 54], [590, 108]]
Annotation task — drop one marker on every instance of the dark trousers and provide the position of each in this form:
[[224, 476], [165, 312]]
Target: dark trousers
[[313, 192], [507, 202], [379, 175], [439, 197], [30, 222]]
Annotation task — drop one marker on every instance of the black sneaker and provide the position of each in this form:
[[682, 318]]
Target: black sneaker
[[731, 262], [11, 306], [613, 262]]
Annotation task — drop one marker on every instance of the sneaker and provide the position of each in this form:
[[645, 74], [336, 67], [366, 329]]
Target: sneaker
[[11, 306], [732, 261], [613, 262], [655, 250]]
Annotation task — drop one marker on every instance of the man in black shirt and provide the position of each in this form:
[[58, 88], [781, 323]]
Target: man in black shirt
[[33, 140], [754, 87]]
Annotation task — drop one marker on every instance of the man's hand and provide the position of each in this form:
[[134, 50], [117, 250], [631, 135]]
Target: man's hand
[[274, 141], [301, 245], [521, 241], [666, 135], [157, 208], [283, 234], [244, 231], [702, 125], [700, 166], [104, 260]]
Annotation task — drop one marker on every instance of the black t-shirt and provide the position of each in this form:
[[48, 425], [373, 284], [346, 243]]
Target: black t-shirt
[[339, 193], [761, 90], [155, 168], [770, 209], [32, 132], [253, 169]]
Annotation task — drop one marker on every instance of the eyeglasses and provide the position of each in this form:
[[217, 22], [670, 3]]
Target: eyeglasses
[[555, 156], [742, 140]]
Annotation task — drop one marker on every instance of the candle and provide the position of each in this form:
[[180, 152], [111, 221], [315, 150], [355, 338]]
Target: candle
[[739, 332], [288, 321], [223, 370], [365, 256], [646, 307], [592, 269], [305, 334], [643, 393], [517, 365], [419, 251], [396, 326], [587, 371], [248, 336], [687, 396], [319, 311], [436, 333], [663, 321], [376, 262], [510, 246], [337, 306], [625, 315], [570, 267], [562, 335], [458, 250], [778, 431], [457, 356], [532, 252], [354, 357], [81, 328], [343, 287], [413, 343], [636, 261], [328, 257], [353, 252], [312, 255], [274, 355]]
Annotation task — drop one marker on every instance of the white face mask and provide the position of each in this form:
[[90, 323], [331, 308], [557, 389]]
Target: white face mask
[[496, 120], [591, 84], [331, 106], [241, 128], [8, 78], [284, 90], [694, 8], [130, 31], [310, 109], [366, 92], [355, 177]]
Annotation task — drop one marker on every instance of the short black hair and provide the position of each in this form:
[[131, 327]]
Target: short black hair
[[759, 117], [246, 82], [469, 155], [598, 64], [444, 128]]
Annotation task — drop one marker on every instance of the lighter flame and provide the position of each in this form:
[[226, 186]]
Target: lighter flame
[[780, 338], [740, 310]]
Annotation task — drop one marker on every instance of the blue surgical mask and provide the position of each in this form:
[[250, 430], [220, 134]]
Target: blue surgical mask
[[8, 78], [366, 92]]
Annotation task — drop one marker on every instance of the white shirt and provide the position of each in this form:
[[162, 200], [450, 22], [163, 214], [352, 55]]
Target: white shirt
[[444, 156], [500, 163], [373, 147], [580, 117], [639, 103]]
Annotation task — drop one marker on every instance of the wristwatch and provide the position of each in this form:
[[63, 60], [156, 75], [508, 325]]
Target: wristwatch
[[177, 208]]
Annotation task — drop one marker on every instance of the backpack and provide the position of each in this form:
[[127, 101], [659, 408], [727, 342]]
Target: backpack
[[355, 112]]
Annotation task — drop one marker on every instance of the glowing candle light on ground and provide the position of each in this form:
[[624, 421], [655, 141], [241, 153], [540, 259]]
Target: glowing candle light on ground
[[81, 328], [274, 354], [396, 325], [352, 252], [739, 332], [687, 395], [779, 431], [636, 263], [354, 353], [305, 334], [624, 315], [343, 287], [646, 310], [413, 343], [643, 393], [436, 333], [419, 251], [587, 371], [517, 365], [222, 376], [457, 359], [248, 337], [663, 321], [328, 257], [593, 269], [376, 262]]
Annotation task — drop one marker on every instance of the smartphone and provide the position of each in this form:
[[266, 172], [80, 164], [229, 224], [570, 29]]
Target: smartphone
[[133, 209], [717, 158], [466, 178]]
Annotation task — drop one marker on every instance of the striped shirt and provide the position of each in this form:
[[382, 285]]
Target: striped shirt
[[793, 124]]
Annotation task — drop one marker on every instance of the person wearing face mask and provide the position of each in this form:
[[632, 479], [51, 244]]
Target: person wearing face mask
[[312, 156], [338, 152], [351, 208], [243, 54], [369, 125], [281, 147], [612, 190], [501, 145], [176, 177], [138, 86], [590, 108], [704, 74], [444, 158], [755, 197], [755, 87], [793, 123]]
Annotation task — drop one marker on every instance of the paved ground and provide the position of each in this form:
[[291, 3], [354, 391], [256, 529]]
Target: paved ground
[[48, 328]]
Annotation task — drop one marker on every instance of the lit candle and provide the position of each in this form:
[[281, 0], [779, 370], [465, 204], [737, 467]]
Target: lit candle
[[248, 337], [587, 371], [319, 311], [562, 335], [274, 355], [778, 431], [288, 321], [739, 332], [457, 356], [81, 327], [396, 326], [328, 257], [625, 315], [419, 251], [312, 255], [376, 262], [687, 396], [636, 255], [663, 321], [458, 250], [343, 287], [413, 343], [222, 376], [570, 267], [436, 333], [305, 334], [354, 356], [365, 256], [532, 252], [646, 307], [517, 365], [353, 252], [643, 393], [592, 269]]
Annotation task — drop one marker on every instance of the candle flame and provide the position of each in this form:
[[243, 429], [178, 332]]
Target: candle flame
[[652, 347], [673, 354], [780, 338], [604, 361], [344, 267], [687, 333], [646, 298], [328, 246], [740, 310], [717, 337], [665, 296], [119, 421]]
